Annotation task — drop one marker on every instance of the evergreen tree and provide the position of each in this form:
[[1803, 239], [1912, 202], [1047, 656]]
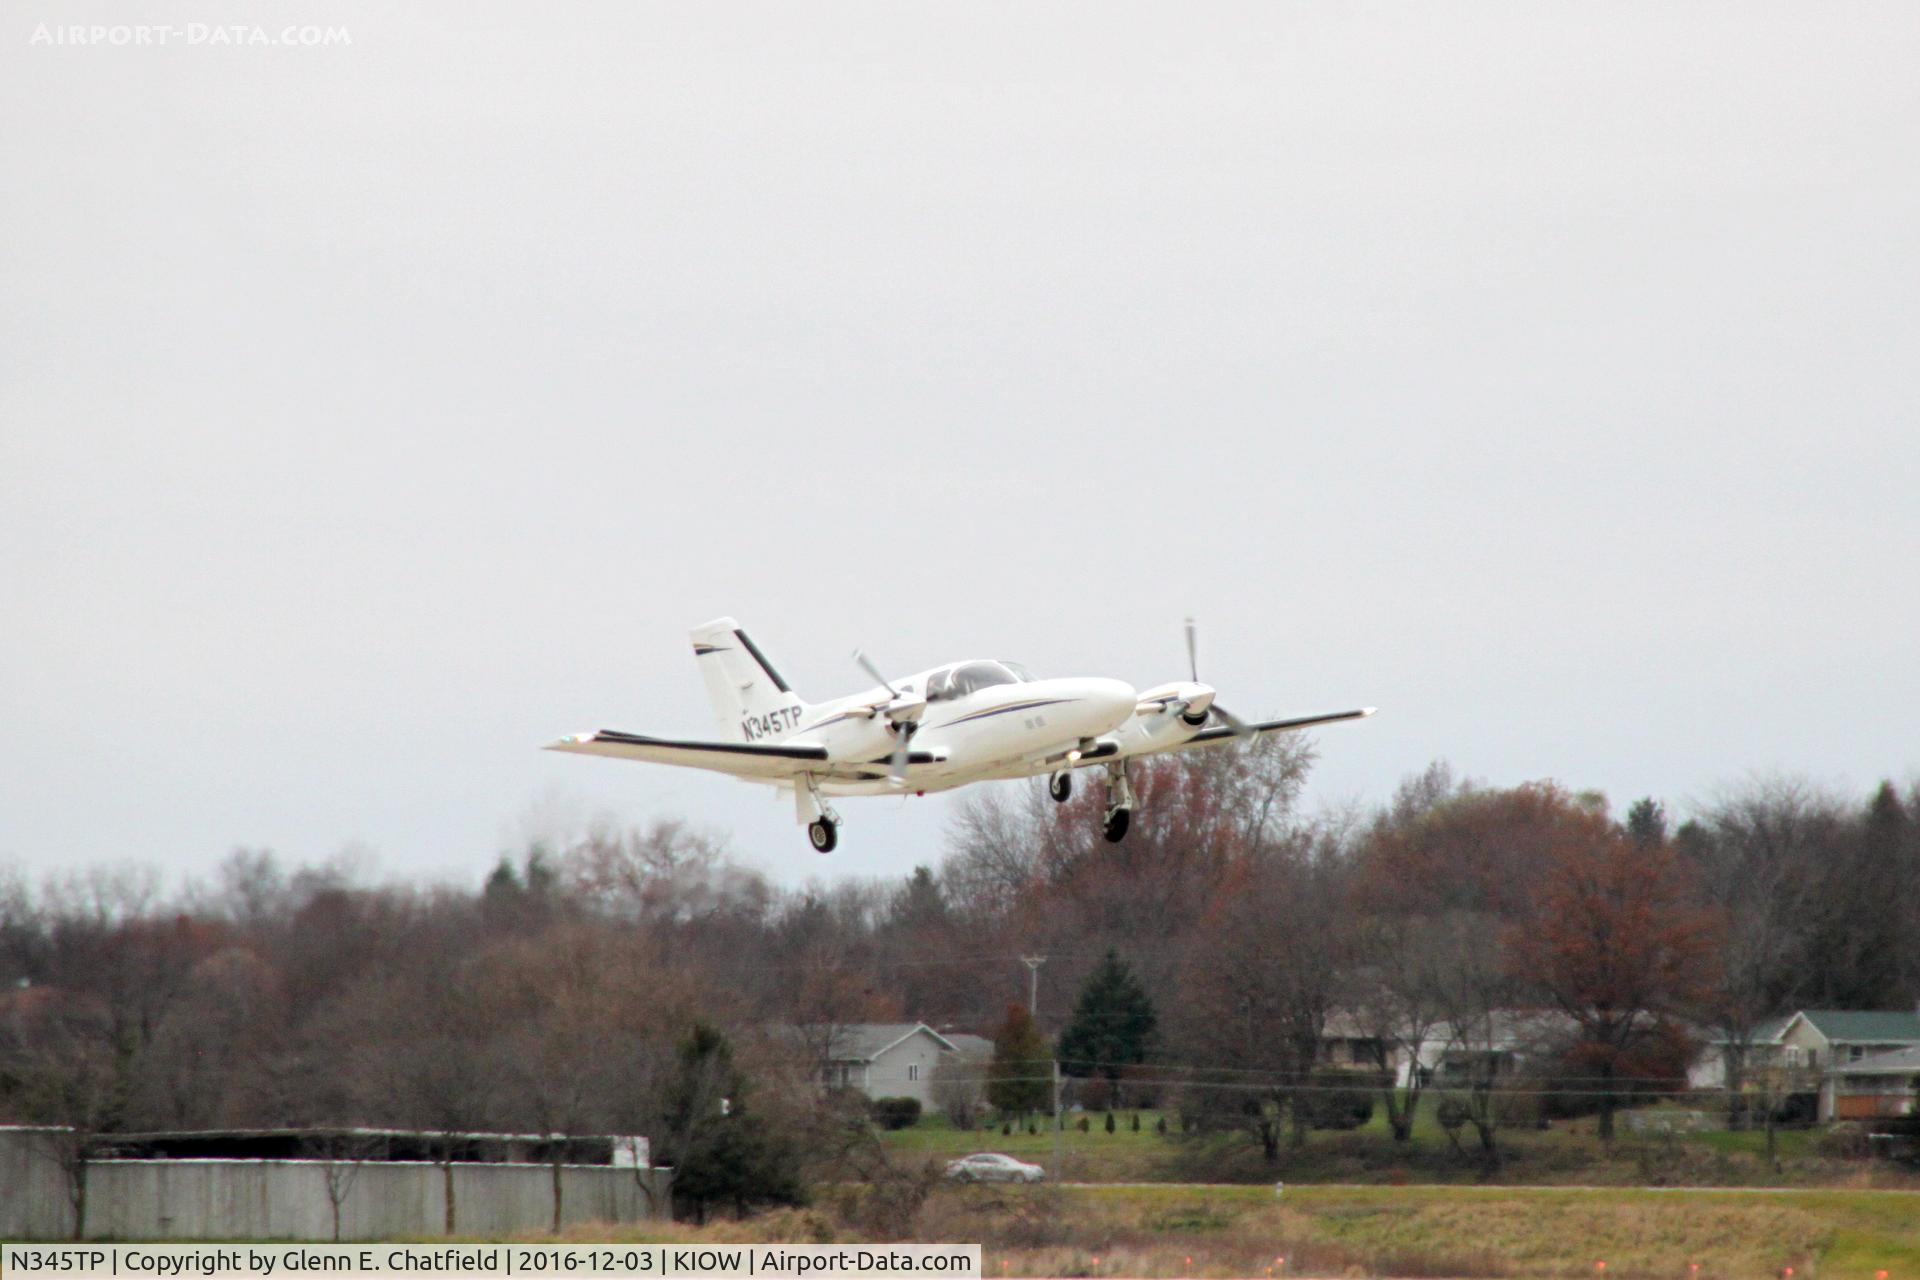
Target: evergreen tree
[[1884, 886], [516, 900], [721, 1150], [1647, 822], [920, 904], [1112, 1026], [1018, 1081]]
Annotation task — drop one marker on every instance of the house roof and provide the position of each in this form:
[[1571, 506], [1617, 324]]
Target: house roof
[[1855, 1026], [1899, 1062], [970, 1046], [1850, 1026], [865, 1041]]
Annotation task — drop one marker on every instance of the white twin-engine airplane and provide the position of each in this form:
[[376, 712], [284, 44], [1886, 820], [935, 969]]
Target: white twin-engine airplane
[[932, 731]]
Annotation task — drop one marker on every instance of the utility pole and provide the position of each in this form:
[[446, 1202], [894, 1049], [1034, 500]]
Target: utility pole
[[1058, 1169], [1033, 964]]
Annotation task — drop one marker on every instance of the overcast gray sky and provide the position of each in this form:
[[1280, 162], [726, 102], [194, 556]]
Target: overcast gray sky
[[372, 414]]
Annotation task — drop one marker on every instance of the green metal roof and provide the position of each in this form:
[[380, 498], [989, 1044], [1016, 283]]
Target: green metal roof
[[1857, 1026]]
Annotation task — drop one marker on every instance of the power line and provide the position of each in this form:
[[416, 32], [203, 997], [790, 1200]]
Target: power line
[[1498, 1091]]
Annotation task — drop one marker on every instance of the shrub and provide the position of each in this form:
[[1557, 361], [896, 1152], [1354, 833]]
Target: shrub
[[896, 1113], [888, 1207], [1341, 1099], [1110, 1124], [957, 1091], [1843, 1141]]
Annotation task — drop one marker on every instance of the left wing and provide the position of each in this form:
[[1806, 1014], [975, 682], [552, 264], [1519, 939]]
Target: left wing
[[761, 761]]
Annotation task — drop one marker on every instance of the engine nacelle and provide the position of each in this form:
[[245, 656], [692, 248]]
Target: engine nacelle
[[1187, 699], [856, 738]]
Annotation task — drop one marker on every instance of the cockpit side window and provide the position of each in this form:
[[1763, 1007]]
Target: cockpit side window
[[1020, 673], [939, 686], [973, 676]]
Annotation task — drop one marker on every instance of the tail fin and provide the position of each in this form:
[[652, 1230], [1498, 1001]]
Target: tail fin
[[749, 697]]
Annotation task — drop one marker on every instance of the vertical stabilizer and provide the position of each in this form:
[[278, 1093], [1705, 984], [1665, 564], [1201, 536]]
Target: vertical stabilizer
[[750, 699]]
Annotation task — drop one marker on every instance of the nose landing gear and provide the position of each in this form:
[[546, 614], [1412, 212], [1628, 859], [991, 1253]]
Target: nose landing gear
[[1060, 786], [1120, 801]]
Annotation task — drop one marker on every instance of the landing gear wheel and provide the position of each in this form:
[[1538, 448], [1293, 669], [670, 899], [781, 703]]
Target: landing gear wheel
[[1060, 786], [823, 834], [1116, 828]]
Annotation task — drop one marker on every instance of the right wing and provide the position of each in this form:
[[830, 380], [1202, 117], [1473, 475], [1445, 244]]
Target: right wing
[[1221, 733], [761, 761]]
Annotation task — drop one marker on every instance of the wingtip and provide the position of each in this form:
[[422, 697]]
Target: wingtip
[[1367, 711], [569, 742]]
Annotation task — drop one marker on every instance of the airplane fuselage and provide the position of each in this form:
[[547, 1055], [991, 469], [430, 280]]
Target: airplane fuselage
[[1000, 731]]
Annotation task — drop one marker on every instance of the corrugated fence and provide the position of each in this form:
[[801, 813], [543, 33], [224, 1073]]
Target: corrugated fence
[[296, 1199]]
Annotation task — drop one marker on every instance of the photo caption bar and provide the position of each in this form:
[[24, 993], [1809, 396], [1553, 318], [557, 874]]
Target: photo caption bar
[[168, 1262]]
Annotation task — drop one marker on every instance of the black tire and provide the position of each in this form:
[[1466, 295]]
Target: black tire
[[1060, 787], [823, 835], [1117, 822]]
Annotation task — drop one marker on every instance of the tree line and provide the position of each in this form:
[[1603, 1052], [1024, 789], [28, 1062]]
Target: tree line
[[616, 979]]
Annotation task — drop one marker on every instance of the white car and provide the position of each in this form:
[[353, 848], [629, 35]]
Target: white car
[[988, 1166]]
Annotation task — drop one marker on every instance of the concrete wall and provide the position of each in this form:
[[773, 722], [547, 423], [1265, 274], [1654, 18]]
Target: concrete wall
[[290, 1200]]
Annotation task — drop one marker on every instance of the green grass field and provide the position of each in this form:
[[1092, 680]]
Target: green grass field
[[1179, 1230]]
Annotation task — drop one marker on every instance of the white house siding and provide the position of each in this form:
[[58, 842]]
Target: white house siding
[[1803, 1046], [906, 1069]]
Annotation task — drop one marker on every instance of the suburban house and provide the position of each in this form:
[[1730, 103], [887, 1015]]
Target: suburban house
[[1818, 1052], [1493, 1047], [880, 1059], [1867, 1088]]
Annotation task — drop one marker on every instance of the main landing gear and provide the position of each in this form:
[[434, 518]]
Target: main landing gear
[[1119, 802], [810, 807]]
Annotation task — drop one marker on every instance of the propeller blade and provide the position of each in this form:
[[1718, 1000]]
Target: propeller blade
[[873, 671], [1193, 654], [1233, 722], [897, 766]]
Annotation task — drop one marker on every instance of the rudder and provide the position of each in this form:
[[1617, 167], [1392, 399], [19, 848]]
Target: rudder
[[749, 698]]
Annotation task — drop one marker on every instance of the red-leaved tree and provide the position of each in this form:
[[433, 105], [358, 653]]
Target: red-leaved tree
[[1615, 936]]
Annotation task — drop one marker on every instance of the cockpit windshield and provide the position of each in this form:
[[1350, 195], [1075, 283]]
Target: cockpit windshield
[[969, 677]]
